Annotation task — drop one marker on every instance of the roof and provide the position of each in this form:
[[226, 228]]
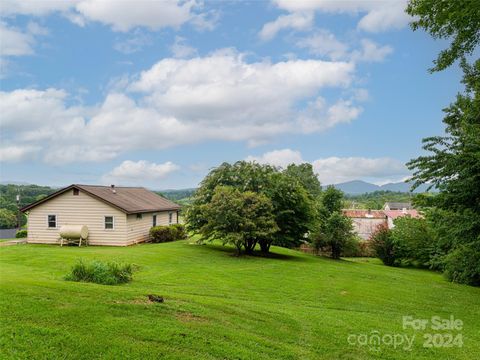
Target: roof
[[399, 205], [399, 213], [367, 214], [130, 200]]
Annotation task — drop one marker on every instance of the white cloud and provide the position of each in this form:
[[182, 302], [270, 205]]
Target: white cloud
[[371, 52], [180, 49], [179, 101], [334, 170], [119, 15], [297, 21], [377, 16], [14, 42], [324, 43], [136, 172], [279, 158], [17, 153]]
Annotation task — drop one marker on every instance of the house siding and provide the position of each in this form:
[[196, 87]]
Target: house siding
[[138, 229], [365, 227], [81, 209]]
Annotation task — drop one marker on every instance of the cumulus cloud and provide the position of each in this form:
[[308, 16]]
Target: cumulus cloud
[[279, 158], [333, 170], [119, 15], [297, 21], [17, 153], [377, 16], [182, 101], [136, 172], [133, 43], [325, 44]]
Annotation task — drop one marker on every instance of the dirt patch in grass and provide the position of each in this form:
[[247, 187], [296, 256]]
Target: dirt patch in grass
[[187, 317]]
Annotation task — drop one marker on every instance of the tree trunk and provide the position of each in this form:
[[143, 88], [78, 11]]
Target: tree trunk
[[265, 246]]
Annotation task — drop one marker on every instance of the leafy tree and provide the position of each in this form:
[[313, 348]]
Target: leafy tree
[[334, 230], [292, 207], [305, 174], [239, 218], [385, 246], [7, 219], [416, 238], [445, 19]]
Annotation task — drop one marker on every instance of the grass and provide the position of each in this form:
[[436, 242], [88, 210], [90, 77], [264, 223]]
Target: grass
[[217, 306]]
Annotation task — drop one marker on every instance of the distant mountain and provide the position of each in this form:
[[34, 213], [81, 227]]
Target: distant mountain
[[357, 187]]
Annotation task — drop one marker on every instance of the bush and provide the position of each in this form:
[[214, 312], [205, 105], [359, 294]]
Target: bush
[[110, 273], [160, 234], [357, 247], [385, 247], [21, 234], [181, 233], [463, 265]]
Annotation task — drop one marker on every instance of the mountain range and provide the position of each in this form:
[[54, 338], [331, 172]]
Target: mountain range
[[357, 187]]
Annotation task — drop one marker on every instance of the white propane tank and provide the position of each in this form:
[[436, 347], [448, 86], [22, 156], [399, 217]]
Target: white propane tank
[[74, 232]]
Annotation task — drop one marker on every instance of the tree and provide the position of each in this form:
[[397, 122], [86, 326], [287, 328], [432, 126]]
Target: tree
[[443, 19], [292, 207], [239, 218], [385, 247], [305, 174], [7, 219], [334, 230]]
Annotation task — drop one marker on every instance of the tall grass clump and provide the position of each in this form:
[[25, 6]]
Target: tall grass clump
[[106, 273]]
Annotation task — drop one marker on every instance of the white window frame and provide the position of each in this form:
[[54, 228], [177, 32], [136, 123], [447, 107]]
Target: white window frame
[[56, 222], [105, 222], [170, 217]]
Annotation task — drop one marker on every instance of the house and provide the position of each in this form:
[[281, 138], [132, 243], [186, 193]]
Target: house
[[397, 206], [365, 222], [117, 216]]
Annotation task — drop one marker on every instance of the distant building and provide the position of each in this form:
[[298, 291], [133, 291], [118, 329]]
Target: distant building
[[365, 222], [398, 206]]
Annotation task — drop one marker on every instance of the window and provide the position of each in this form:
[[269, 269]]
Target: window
[[139, 216], [154, 222], [170, 217], [52, 221], [76, 192], [109, 222]]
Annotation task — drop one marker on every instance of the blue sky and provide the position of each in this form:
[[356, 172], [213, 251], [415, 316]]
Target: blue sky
[[155, 93]]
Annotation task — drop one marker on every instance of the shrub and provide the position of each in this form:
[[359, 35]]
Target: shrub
[[21, 234], [160, 234], [357, 247], [181, 233], [463, 265], [110, 273], [385, 247]]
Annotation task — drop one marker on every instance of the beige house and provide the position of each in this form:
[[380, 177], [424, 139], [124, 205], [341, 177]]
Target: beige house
[[117, 216]]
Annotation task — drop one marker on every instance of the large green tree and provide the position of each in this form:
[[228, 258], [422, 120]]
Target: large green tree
[[307, 177], [239, 218]]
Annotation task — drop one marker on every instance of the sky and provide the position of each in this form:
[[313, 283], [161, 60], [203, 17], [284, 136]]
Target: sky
[[157, 93]]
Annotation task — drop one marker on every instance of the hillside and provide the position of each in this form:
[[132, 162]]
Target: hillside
[[357, 187], [293, 306]]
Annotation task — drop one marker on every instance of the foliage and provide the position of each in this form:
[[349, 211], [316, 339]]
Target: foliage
[[165, 233], [181, 195], [376, 200], [458, 20], [8, 219], [463, 264], [385, 246], [334, 230], [307, 177], [21, 234], [109, 273], [292, 206], [242, 219], [416, 238]]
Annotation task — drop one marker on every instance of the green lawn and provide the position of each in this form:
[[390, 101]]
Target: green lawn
[[218, 306]]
